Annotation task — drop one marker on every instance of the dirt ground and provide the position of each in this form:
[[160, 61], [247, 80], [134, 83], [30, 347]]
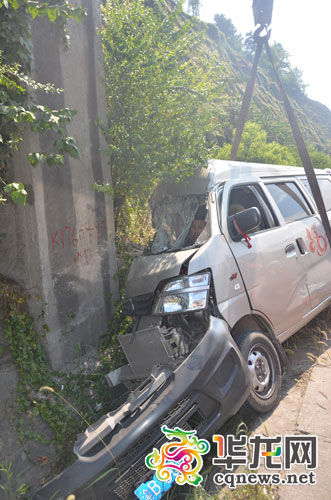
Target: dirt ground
[[304, 409]]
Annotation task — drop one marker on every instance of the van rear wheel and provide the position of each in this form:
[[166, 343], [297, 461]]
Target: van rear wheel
[[265, 369]]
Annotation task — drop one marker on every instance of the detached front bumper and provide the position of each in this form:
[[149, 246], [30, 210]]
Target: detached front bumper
[[202, 393]]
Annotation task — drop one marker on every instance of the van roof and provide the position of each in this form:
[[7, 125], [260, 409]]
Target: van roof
[[222, 170]]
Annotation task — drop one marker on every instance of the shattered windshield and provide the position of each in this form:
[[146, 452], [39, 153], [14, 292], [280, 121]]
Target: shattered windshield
[[180, 222]]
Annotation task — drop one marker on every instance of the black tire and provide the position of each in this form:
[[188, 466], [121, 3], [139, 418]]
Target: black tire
[[263, 362]]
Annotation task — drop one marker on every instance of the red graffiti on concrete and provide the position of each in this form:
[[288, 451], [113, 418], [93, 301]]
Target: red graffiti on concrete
[[83, 256], [83, 241], [317, 242]]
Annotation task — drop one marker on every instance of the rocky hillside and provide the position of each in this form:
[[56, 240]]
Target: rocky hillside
[[267, 107]]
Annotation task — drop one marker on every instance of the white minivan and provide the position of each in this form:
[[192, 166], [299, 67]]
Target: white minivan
[[239, 262]]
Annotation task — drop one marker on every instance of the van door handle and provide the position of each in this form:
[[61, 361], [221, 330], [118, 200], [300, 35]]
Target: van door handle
[[290, 248], [302, 246]]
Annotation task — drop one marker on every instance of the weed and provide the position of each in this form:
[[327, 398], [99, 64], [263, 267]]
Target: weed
[[31, 362], [10, 487], [72, 399], [50, 389]]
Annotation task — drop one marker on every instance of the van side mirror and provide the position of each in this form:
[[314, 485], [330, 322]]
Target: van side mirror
[[246, 221]]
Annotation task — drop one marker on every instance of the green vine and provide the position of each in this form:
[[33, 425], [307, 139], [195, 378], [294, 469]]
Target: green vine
[[84, 394], [19, 107], [33, 370]]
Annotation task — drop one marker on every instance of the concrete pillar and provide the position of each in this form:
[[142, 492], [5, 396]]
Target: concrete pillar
[[60, 247]]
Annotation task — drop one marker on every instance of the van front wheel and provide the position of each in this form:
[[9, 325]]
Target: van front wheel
[[265, 369]]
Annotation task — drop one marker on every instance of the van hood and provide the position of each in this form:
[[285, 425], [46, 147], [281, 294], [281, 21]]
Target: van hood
[[147, 271]]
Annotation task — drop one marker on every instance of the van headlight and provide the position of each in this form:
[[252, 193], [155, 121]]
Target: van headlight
[[185, 294]]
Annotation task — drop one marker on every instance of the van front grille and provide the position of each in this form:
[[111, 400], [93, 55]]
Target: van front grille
[[132, 468], [138, 472]]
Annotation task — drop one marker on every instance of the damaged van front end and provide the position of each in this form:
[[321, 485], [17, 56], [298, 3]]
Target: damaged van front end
[[207, 388], [189, 371]]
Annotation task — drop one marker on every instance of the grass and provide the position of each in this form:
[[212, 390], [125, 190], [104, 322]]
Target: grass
[[10, 486]]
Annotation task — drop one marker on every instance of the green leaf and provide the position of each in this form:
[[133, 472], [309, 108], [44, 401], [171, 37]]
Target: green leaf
[[70, 147], [54, 159], [42, 10], [52, 13], [59, 145], [14, 3], [22, 489], [17, 192], [103, 188], [33, 11], [35, 158], [80, 14]]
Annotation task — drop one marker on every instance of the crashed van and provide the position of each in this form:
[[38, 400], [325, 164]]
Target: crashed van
[[239, 262]]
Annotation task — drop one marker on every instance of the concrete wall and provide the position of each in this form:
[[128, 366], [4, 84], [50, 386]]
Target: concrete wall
[[60, 247]]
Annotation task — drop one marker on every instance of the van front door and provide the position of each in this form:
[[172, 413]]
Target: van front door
[[273, 273]]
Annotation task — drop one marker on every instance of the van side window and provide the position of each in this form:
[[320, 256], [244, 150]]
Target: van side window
[[289, 200], [325, 187], [244, 197]]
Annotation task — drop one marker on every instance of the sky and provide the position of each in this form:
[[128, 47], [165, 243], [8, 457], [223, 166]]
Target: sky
[[303, 27]]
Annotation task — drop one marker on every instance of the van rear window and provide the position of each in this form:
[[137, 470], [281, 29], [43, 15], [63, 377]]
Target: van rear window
[[325, 187], [289, 200]]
